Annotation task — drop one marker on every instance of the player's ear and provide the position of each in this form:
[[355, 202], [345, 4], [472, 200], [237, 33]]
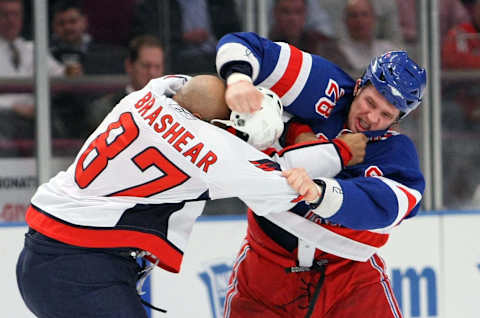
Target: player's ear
[[357, 87]]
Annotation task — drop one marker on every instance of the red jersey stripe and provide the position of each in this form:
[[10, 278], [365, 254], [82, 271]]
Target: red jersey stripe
[[169, 258], [362, 236], [412, 201], [301, 145], [291, 73]]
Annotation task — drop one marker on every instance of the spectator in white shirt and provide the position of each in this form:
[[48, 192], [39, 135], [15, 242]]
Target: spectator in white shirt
[[17, 61], [386, 15], [361, 44]]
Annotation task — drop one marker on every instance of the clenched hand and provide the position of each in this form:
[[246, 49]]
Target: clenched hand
[[301, 182], [357, 144], [243, 97]]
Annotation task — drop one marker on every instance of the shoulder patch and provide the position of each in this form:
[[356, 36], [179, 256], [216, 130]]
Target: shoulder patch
[[266, 164]]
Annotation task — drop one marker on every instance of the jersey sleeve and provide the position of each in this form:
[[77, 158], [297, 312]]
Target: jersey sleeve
[[319, 158], [256, 178], [168, 85], [380, 197], [308, 85], [244, 172]]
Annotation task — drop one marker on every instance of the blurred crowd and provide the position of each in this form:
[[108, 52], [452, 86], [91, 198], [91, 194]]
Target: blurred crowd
[[143, 39]]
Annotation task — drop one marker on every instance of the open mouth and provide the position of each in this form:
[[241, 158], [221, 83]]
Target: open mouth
[[362, 125]]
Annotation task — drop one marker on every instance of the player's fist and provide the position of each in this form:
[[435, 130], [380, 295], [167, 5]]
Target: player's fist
[[356, 143], [243, 97], [301, 182]]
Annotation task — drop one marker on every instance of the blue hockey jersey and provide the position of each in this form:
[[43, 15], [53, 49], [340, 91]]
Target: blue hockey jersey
[[367, 199]]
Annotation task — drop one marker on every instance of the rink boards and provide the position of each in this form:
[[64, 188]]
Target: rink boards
[[434, 263]]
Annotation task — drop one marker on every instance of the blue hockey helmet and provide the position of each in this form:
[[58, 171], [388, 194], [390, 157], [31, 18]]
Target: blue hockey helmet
[[398, 78]]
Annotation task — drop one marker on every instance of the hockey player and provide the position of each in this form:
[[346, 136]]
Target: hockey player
[[137, 186], [323, 262]]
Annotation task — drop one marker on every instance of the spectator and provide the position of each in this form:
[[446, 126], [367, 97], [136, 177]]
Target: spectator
[[408, 20], [361, 45], [72, 45], [317, 18], [16, 61], [193, 50], [461, 103], [162, 21], [289, 25], [104, 28], [451, 13], [145, 61], [386, 12], [461, 48], [81, 54]]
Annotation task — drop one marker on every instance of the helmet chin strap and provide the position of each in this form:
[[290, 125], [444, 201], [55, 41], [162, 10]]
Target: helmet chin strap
[[228, 126], [222, 123]]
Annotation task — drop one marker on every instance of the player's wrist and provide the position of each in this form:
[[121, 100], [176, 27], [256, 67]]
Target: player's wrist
[[237, 77], [332, 198], [344, 151], [321, 189]]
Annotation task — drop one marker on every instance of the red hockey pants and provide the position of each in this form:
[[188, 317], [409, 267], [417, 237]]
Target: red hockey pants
[[261, 287]]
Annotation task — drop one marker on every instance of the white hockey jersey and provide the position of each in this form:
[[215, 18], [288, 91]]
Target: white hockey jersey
[[142, 178]]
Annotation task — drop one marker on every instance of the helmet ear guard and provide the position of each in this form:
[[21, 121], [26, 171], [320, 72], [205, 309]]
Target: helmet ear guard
[[398, 78], [262, 128]]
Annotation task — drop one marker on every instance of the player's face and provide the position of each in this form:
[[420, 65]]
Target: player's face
[[149, 65], [11, 19], [370, 110], [70, 25]]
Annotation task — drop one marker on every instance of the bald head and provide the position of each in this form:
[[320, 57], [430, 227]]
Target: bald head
[[204, 95]]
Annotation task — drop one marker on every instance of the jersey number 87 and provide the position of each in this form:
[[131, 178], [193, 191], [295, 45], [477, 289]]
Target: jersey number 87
[[104, 148]]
